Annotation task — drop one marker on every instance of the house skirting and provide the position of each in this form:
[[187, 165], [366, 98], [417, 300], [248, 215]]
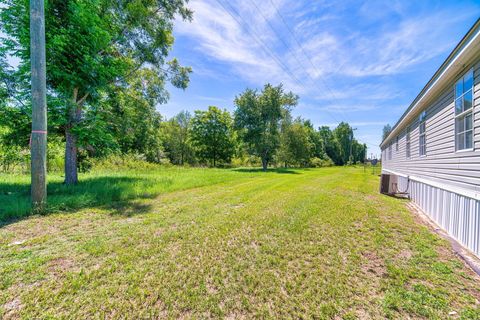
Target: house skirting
[[458, 214]]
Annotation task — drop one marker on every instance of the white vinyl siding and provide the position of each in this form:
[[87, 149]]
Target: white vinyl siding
[[442, 163], [407, 143]]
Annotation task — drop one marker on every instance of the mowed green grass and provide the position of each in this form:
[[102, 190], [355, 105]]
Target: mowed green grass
[[318, 243], [106, 187]]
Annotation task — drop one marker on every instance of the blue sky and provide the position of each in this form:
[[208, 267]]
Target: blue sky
[[360, 62]]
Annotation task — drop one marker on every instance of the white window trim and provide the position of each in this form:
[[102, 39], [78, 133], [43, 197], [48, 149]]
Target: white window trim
[[424, 121], [464, 113], [408, 143]]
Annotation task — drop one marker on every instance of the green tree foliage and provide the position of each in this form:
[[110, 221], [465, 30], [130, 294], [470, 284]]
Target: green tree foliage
[[131, 112], [176, 139], [343, 133], [258, 117], [332, 146], [386, 131], [93, 45], [212, 135], [318, 144], [296, 147]]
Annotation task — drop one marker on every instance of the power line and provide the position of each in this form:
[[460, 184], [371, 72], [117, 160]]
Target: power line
[[306, 55], [304, 52], [294, 55], [272, 54], [261, 43]]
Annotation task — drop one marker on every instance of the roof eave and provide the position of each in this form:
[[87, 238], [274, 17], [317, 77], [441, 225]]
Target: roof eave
[[438, 79]]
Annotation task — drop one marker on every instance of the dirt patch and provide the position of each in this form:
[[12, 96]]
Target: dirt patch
[[405, 255], [11, 308], [60, 266], [373, 264]]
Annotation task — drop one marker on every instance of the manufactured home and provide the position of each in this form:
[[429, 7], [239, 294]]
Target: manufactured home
[[432, 154]]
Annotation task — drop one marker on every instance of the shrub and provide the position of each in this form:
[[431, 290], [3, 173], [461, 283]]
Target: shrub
[[318, 163]]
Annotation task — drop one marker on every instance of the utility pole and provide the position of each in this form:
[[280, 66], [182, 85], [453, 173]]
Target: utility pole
[[351, 145], [39, 106]]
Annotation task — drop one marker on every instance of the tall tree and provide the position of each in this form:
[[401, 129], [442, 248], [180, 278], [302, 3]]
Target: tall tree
[[258, 117], [176, 138], [213, 136], [332, 147], [318, 145], [92, 44], [131, 113], [343, 133], [296, 147]]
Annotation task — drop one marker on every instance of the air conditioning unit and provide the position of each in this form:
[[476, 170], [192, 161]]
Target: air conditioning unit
[[384, 183], [393, 186], [389, 184]]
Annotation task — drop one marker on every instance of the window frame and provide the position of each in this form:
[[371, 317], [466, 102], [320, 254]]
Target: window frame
[[396, 144], [464, 113], [408, 151], [422, 123]]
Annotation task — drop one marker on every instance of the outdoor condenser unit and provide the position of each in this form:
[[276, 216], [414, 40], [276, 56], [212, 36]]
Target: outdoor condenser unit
[[389, 184], [384, 183]]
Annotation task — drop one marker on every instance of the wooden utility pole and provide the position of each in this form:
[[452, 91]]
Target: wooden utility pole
[[39, 106]]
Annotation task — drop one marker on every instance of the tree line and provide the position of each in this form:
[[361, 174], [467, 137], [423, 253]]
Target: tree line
[[107, 72]]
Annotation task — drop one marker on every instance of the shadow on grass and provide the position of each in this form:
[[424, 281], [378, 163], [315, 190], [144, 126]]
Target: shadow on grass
[[114, 193], [274, 170]]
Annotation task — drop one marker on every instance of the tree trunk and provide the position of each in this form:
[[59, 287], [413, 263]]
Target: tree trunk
[[264, 164], [71, 176], [71, 150]]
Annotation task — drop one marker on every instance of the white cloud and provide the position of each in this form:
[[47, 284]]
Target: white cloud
[[214, 99], [241, 45]]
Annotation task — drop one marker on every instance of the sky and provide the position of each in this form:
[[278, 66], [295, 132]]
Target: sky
[[353, 61]]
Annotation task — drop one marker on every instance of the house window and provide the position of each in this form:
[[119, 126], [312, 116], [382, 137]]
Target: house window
[[396, 144], [407, 143], [464, 112], [422, 139]]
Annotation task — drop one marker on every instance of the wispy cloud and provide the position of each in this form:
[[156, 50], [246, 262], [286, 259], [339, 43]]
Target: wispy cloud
[[214, 99], [244, 41], [361, 63]]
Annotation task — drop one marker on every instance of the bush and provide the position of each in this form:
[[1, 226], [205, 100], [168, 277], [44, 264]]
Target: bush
[[14, 159], [126, 161], [318, 163], [246, 161]]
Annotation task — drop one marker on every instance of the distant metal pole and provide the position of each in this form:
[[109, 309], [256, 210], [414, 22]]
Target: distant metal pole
[[39, 106], [351, 145]]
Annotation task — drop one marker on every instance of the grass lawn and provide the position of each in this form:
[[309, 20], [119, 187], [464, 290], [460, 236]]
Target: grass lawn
[[206, 243]]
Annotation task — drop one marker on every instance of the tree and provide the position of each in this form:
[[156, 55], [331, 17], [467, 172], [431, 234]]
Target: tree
[[176, 139], [318, 145], [386, 131], [343, 133], [296, 146], [130, 110], [212, 135], [258, 117], [92, 45], [332, 147]]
